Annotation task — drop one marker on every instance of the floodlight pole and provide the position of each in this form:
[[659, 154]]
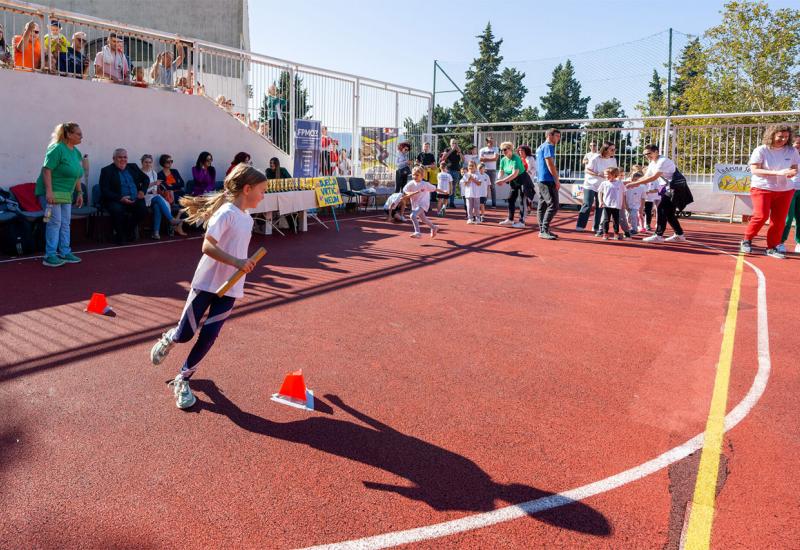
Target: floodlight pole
[[668, 122]]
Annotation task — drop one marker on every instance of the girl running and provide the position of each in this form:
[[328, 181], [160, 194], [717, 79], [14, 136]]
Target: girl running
[[228, 230], [420, 193]]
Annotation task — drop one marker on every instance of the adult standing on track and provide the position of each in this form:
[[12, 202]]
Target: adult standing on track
[[660, 169], [794, 212], [773, 166], [595, 169], [548, 184], [489, 156], [512, 171], [59, 179], [453, 157]]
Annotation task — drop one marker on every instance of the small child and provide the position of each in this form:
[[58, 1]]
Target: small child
[[138, 78], [634, 195], [611, 194], [484, 189], [443, 189], [470, 190], [228, 230], [419, 192], [395, 207]]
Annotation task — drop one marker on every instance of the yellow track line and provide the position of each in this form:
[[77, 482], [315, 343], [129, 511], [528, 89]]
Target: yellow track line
[[701, 517]]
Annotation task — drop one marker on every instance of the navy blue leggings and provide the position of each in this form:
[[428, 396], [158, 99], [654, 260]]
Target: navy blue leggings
[[198, 302]]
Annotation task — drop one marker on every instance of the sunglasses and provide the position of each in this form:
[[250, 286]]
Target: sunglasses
[[168, 161]]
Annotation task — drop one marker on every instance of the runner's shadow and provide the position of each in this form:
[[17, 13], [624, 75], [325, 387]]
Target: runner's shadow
[[442, 479]]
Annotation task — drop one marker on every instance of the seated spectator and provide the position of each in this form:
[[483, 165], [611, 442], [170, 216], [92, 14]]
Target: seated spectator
[[55, 44], [188, 87], [174, 185], [74, 62], [28, 48], [5, 53], [221, 100], [111, 62], [138, 78], [204, 175], [263, 128], [122, 189], [154, 200], [276, 171], [240, 158], [163, 70]]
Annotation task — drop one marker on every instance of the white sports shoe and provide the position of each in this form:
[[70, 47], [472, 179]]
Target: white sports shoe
[[416, 235], [506, 222], [434, 230], [797, 249], [653, 239], [470, 222], [518, 225], [676, 239], [161, 348], [184, 398]]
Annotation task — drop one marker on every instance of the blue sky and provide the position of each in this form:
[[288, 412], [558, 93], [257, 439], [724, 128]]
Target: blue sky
[[397, 42]]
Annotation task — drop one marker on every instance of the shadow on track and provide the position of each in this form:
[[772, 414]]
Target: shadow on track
[[440, 478]]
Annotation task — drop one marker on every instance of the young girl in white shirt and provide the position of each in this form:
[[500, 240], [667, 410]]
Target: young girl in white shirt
[[612, 198], [486, 182], [228, 230], [419, 191], [470, 190], [443, 189]]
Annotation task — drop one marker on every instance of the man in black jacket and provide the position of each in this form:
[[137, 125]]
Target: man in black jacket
[[122, 189]]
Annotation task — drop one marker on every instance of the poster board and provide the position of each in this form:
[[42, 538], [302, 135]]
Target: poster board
[[327, 190], [731, 179]]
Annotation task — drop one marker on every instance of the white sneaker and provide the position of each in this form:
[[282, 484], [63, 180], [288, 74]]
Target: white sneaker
[[161, 348], [774, 253], [676, 239], [781, 248], [480, 220], [518, 225], [434, 231], [402, 218], [184, 398], [797, 249], [506, 222], [416, 235], [653, 239], [470, 222]]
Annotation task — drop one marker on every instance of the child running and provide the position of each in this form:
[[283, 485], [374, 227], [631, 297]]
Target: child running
[[228, 230], [611, 194], [484, 189], [443, 189], [470, 185], [419, 192]]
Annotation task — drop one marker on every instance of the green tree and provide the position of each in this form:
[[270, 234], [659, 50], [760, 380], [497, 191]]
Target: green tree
[[691, 66], [656, 102], [563, 100]]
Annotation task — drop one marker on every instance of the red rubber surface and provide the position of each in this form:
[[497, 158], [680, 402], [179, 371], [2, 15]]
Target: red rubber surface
[[453, 376]]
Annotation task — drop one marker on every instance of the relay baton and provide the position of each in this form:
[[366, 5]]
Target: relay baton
[[239, 273]]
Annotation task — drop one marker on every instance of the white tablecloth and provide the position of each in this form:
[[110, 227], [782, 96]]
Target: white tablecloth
[[286, 202]]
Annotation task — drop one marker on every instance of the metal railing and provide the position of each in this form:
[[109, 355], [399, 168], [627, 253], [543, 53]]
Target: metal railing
[[267, 94]]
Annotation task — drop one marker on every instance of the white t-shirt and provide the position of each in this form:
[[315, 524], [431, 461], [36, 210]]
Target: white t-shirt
[[611, 193], [667, 169], [445, 182], [774, 159], [488, 152], [422, 199], [531, 160], [597, 164], [633, 197], [587, 158], [392, 201], [469, 188], [231, 228], [473, 158], [483, 188]]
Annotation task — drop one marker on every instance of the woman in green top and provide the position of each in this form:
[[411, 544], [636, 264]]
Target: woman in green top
[[60, 179], [513, 172]]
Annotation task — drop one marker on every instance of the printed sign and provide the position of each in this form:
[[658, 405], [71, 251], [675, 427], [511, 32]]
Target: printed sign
[[379, 152], [306, 148], [732, 179], [327, 190]]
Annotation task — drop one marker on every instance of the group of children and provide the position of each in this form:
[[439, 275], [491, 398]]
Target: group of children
[[621, 202]]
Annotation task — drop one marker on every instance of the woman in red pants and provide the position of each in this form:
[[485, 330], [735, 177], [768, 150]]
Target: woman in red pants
[[773, 166]]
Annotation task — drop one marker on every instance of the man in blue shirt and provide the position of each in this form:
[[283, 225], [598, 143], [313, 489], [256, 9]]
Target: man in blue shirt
[[548, 184]]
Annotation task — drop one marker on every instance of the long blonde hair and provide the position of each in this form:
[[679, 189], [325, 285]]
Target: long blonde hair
[[60, 132], [201, 208]]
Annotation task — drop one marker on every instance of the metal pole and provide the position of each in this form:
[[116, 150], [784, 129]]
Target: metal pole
[[292, 103], [397, 113], [475, 136], [355, 148], [432, 104], [669, 76]]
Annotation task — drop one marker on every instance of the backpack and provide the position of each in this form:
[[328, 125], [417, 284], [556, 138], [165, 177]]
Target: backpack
[[678, 191]]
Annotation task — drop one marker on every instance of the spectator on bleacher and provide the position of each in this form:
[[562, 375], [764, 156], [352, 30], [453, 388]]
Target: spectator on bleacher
[[55, 44], [138, 78], [28, 48], [239, 158], [276, 115], [204, 175], [163, 71], [74, 62], [773, 166], [122, 189], [344, 167], [153, 199], [111, 62], [276, 171], [5, 53], [59, 180], [173, 182]]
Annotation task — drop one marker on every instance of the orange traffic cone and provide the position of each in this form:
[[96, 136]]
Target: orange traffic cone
[[294, 393], [98, 304]]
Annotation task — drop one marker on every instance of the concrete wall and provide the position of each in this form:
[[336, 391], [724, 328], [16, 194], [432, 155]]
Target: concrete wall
[[111, 116], [221, 21]]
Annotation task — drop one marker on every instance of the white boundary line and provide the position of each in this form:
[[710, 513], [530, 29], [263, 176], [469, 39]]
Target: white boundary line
[[675, 454]]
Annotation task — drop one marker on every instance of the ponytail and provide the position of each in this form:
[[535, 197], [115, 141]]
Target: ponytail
[[60, 132], [199, 209]]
